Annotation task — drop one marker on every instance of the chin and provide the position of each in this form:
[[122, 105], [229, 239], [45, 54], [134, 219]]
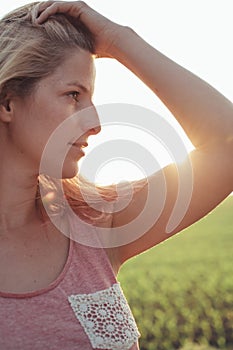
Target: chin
[[56, 170], [70, 171]]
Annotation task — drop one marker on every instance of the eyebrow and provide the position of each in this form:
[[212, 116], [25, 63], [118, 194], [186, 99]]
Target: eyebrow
[[80, 86]]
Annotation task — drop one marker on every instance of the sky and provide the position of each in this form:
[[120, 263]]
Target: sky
[[196, 34]]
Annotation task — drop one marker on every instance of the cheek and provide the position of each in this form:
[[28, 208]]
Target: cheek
[[49, 122], [31, 133]]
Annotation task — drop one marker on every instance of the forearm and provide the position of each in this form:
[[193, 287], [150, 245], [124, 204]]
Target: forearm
[[205, 114]]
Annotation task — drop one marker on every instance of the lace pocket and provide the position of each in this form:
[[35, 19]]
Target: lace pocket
[[106, 318]]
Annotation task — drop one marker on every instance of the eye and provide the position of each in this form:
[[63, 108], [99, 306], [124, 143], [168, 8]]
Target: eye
[[75, 95]]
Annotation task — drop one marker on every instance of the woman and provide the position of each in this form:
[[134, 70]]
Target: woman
[[55, 292]]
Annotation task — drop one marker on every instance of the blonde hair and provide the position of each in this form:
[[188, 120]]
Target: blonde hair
[[28, 53]]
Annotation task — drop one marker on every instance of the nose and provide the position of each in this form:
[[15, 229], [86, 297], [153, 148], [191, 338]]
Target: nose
[[95, 130], [91, 122]]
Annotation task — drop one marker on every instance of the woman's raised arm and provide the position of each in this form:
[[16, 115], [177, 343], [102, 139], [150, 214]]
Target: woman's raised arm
[[205, 115]]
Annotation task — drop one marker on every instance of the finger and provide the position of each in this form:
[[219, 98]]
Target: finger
[[43, 5], [39, 8], [50, 8], [46, 9]]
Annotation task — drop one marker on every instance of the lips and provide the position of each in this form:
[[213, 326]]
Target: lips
[[79, 144]]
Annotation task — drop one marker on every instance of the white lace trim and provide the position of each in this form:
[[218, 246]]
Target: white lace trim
[[106, 318]]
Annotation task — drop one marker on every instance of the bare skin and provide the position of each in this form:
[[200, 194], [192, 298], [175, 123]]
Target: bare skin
[[205, 115]]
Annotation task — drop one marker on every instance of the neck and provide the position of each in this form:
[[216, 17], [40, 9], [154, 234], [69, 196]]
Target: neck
[[18, 190]]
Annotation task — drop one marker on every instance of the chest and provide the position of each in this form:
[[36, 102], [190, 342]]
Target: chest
[[31, 260], [63, 315]]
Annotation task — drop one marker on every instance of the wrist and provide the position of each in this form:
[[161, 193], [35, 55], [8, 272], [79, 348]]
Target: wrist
[[120, 41]]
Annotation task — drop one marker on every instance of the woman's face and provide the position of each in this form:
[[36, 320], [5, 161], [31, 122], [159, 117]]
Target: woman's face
[[65, 93]]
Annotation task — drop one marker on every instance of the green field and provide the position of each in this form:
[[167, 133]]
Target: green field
[[181, 292]]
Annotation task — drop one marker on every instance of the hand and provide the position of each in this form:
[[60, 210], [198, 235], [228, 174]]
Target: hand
[[104, 30]]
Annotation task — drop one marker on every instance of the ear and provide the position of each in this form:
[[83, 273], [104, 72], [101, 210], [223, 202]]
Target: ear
[[6, 111]]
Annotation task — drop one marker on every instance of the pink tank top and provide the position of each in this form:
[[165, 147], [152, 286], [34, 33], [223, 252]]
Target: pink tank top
[[83, 309]]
